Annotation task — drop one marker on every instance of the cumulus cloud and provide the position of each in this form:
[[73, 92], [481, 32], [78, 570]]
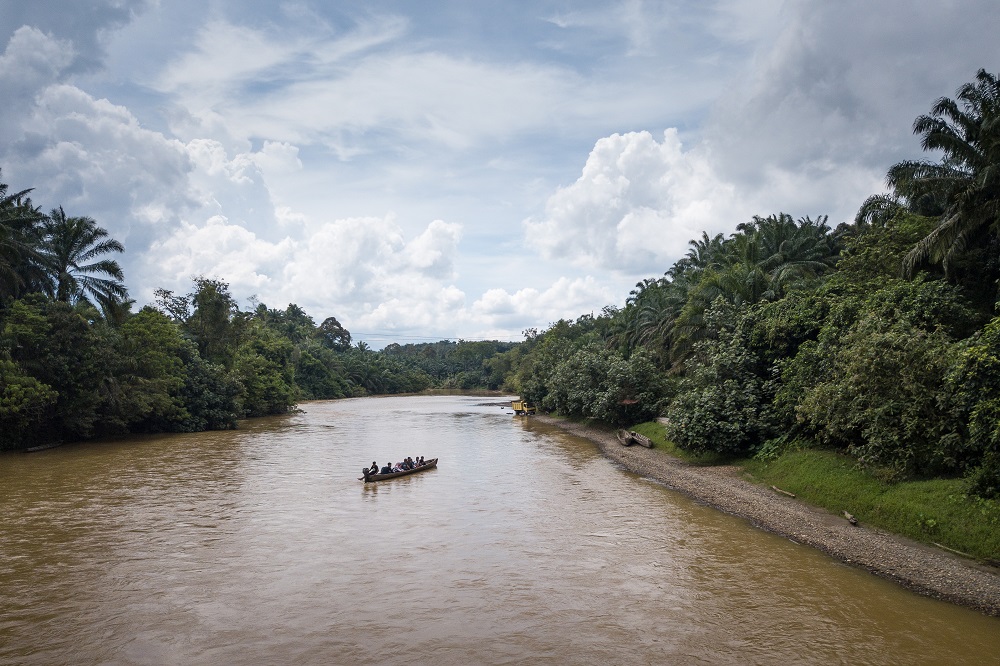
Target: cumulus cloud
[[33, 60], [636, 204], [84, 24], [221, 250], [94, 158], [565, 299]]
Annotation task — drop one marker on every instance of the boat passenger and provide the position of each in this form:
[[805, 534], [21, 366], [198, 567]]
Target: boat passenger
[[387, 469], [374, 468], [421, 463]]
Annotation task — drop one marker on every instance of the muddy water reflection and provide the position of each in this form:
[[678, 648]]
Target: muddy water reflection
[[260, 546]]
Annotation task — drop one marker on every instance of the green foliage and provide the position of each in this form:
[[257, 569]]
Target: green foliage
[[332, 335], [211, 395], [215, 322], [872, 383], [463, 364], [319, 373], [874, 252], [597, 382], [763, 261], [71, 253], [722, 403], [880, 400], [263, 366], [24, 401], [152, 353], [53, 344], [975, 382], [962, 190], [21, 232]]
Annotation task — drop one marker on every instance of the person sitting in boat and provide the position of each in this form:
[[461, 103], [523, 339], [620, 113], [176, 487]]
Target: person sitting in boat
[[420, 463], [387, 469], [373, 469]]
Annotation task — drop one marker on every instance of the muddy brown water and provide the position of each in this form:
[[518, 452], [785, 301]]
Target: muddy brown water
[[524, 546]]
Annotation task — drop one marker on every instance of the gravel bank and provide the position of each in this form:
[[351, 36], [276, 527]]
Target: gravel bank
[[921, 568]]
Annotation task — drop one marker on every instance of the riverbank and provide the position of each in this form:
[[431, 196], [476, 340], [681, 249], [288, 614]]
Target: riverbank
[[923, 569]]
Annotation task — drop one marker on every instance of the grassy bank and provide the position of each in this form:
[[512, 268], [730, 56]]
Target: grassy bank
[[934, 512]]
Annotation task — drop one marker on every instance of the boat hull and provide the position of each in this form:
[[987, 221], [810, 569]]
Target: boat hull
[[430, 464]]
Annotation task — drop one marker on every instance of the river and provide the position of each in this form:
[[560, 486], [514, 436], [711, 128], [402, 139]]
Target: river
[[525, 545]]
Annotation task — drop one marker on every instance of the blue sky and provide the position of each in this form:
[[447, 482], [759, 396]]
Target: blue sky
[[460, 169]]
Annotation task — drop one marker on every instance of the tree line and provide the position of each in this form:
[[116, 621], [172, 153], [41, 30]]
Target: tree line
[[878, 338], [76, 362]]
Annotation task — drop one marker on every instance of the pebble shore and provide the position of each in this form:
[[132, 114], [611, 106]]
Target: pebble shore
[[921, 568]]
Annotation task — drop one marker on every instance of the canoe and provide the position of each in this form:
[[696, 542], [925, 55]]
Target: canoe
[[429, 464], [641, 440], [624, 437]]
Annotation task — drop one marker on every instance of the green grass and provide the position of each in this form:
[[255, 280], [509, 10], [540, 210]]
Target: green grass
[[655, 432], [935, 512]]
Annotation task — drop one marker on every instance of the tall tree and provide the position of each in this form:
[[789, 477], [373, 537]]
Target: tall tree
[[72, 252], [20, 234], [215, 320], [761, 262], [966, 182]]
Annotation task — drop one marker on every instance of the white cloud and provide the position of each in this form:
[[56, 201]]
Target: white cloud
[[223, 55], [636, 204], [94, 158], [278, 158], [564, 299], [423, 97], [33, 60], [220, 250], [433, 252]]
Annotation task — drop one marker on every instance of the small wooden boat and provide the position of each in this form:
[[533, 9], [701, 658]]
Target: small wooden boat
[[641, 440], [42, 447], [624, 438], [429, 464]]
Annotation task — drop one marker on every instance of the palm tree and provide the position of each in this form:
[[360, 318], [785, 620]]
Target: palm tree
[[761, 262], [966, 182], [71, 250], [20, 234]]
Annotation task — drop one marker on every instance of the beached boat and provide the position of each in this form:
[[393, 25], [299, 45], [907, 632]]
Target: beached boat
[[641, 440], [429, 464], [624, 437]]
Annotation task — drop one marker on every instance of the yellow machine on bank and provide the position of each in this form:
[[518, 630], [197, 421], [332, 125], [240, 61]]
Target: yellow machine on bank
[[521, 407]]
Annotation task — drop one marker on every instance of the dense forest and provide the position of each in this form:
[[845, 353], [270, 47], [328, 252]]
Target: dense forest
[[877, 338], [76, 362]]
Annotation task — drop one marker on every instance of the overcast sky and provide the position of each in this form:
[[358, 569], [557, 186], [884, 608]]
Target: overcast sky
[[460, 169]]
